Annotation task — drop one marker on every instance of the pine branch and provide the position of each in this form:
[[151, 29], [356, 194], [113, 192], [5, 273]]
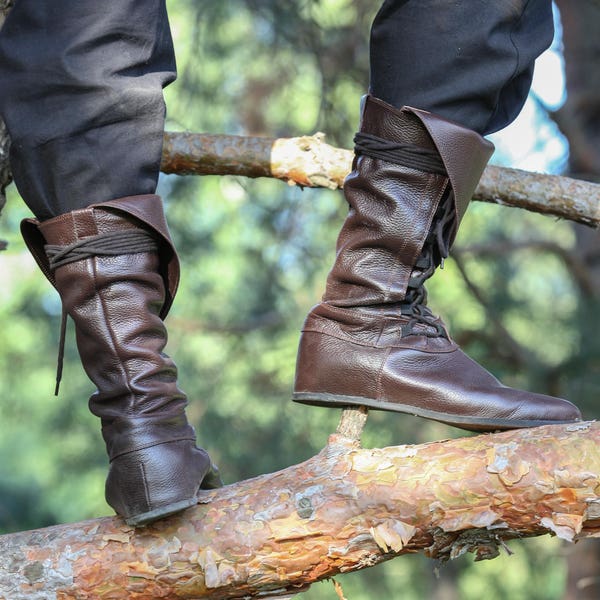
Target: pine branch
[[344, 509]]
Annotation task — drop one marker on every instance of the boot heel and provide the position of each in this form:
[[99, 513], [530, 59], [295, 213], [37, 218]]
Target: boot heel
[[152, 483], [160, 513]]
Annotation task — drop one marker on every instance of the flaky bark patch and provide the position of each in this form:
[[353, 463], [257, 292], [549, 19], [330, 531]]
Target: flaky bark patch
[[342, 510]]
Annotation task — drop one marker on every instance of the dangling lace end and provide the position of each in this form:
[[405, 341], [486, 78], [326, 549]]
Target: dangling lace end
[[61, 350]]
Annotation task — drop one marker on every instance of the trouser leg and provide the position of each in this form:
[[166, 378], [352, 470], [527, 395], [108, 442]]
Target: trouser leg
[[81, 85], [470, 62]]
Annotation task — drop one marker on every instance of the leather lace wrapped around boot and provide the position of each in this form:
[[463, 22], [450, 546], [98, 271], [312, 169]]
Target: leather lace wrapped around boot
[[116, 271], [372, 341]]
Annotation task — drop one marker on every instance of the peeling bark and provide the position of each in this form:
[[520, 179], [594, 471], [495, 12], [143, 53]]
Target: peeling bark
[[309, 161], [344, 509]]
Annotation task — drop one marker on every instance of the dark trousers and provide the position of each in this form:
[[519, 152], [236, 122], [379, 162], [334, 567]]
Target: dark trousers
[[81, 83], [468, 61], [81, 95]]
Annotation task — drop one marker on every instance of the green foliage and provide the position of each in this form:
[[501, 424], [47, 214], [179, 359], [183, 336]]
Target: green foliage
[[255, 255]]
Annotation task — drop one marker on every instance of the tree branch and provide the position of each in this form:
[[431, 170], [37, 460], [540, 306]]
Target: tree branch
[[352, 422], [309, 161], [344, 509]]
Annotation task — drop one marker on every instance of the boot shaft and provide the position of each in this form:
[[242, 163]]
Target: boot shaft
[[116, 271], [136, 211], [408, 162], [108, 268]]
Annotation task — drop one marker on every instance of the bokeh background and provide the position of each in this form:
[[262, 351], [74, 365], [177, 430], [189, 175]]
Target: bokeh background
[[521, 293]]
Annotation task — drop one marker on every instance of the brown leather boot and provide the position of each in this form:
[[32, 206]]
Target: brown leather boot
[[116, 271], [372, 341]]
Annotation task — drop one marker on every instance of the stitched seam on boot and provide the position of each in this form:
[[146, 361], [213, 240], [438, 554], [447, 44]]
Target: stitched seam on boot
[[146, 490], [381, 328], [110, 330], [104, 317], [152, 445], [379, 388]]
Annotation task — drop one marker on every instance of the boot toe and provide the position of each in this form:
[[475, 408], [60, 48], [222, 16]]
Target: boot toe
[[546, 409]]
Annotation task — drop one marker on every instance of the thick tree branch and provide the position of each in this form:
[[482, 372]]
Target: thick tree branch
[[309, 161], [342, 510]]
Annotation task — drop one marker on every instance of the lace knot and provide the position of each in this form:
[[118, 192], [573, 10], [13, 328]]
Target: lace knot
[[435, 249]]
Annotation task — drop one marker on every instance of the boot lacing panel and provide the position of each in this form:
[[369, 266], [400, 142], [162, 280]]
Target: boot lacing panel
[[437, 244], [435, 250]]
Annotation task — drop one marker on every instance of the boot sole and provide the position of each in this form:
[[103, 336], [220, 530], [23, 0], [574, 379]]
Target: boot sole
[[462, 422], [160, 513]]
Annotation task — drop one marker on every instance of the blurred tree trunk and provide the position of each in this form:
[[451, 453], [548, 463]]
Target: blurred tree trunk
[[579, 120]]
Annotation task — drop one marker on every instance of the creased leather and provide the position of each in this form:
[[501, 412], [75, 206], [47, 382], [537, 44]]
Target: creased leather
[[352, 349], [147, 209], [116, 303]]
